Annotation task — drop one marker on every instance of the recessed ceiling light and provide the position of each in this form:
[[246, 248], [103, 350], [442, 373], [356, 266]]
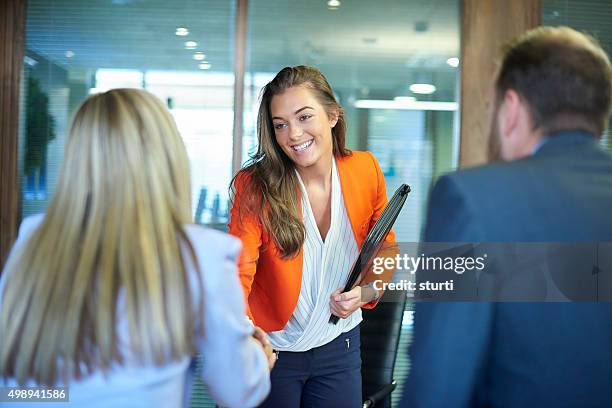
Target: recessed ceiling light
[[453, 62], [333, 4], [69, 54], [204, 65], [422, 88], [190, 45], [199, 56], [181, 31], [404, 99], [416, 105]]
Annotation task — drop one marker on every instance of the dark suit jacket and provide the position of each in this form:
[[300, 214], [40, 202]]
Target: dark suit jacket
[[518, 354]]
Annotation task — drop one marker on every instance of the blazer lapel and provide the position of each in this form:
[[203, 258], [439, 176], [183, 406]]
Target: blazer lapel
[[350, 194]]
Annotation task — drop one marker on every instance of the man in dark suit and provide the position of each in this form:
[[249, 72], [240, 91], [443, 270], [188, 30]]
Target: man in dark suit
[[553, 99]]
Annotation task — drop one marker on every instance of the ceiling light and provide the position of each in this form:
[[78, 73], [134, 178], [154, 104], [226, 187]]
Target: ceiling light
[[204, 65], [415, 105], [69, 54], [422, 89], [199, 56], [333, 3], [181, 31], [190, 45], [404, 99], [453, 62]]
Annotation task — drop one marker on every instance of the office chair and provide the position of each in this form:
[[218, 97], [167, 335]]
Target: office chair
[[380, 334]]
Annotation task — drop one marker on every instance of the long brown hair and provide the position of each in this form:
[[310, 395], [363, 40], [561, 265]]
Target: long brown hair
[[268, 183], [114, 227]]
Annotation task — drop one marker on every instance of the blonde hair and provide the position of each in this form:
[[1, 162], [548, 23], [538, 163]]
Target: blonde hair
[[114, 227]]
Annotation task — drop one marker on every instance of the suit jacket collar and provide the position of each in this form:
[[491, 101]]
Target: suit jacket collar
[[564, 139]]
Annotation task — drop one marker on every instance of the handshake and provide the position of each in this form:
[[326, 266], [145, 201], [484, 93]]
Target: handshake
[[262, 338]]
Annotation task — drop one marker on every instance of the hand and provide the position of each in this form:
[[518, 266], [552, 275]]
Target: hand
[[262, 338], [344, 304]]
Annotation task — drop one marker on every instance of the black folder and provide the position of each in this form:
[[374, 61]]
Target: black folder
[[375, 238]]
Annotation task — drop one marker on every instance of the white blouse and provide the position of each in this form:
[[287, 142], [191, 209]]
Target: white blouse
[[325, 268]]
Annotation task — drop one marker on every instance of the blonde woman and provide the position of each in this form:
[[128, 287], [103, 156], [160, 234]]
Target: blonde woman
[[113, 292]]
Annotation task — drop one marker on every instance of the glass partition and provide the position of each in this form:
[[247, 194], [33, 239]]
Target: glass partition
[[181, 51]]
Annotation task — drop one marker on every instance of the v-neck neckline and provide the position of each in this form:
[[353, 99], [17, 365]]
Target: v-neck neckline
[[310, 213]]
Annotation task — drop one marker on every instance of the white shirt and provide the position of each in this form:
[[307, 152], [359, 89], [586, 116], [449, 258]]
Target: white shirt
[[325, 268], [235, 368]]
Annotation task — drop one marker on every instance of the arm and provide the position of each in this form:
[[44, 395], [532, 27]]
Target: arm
[[235, 366], [249, 230], [451, 339]]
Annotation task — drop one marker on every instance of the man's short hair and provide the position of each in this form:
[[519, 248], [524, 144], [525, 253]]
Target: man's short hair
[[563, 75]]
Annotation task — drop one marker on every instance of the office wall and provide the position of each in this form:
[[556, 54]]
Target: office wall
[[486, 25], [12, 18]]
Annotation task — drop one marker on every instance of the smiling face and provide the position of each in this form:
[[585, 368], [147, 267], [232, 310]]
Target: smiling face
[[302, 127]]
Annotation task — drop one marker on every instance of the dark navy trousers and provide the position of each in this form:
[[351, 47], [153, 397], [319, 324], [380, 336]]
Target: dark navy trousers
[[325, 376]]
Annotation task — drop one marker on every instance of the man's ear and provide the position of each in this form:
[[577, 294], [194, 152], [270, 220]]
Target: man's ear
[[509, 111]]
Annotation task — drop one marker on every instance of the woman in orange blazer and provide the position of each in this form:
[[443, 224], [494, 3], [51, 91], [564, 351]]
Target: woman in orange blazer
[[302, 207]]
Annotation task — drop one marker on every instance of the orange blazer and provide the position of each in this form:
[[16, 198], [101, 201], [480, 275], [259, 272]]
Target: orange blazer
[[271, 284]]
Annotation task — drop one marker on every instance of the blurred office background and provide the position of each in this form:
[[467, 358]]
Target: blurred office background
[[393, 64]]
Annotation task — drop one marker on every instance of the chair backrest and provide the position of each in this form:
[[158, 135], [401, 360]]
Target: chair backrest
[[380, 334]]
